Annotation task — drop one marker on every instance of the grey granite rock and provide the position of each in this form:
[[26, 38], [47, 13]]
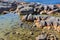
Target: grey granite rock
[[30, 17], [42, 23], [26, 10]]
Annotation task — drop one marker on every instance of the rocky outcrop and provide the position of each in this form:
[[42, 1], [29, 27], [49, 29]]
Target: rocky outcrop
[[24, 18], [26, 10], [31, 7], [37, 8], [42, 21], [48, 22], [7, 7], [29, 17]]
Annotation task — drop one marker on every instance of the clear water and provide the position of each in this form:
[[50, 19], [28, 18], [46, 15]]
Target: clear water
[[9, 20]]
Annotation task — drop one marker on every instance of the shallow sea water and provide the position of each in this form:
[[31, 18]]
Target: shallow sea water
[[9, 20]]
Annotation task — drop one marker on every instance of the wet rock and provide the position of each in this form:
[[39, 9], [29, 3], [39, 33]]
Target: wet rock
[[26, 10]]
